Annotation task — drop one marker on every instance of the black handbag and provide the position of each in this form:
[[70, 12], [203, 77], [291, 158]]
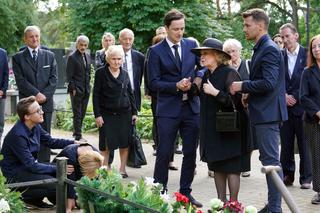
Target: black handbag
[[228, 121], [136, 157]]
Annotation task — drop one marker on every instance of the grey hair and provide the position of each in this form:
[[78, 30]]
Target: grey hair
[[126, 30], [232, 43], [31, 29], [107, 34], [113, 49], [82, 38]]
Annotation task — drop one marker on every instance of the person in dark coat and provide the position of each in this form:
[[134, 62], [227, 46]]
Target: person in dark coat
[[106, 41], [114, 106], [85, 160], [20, 154], [310, 101], [225, 152]]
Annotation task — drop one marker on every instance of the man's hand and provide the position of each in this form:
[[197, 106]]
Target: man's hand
[[236, 86], [73, 93], [245, 100], [70, 169], [134, 119], [184, 84], [41, 98], [99, 121], [209, 89], [290, 100]]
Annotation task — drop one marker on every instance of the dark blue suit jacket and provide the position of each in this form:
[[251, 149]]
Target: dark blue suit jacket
[[163, 74], [293, 84], [266, 86], [4, 72], [137, 66]]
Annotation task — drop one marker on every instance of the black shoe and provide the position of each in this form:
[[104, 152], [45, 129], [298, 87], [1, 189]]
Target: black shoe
[[287, 180], [53, 152], [316, 199], [194, 201], [173, 168], [38, 205], [178, 151], [265, 209]]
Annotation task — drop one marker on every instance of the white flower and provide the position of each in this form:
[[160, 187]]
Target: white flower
[[251, 209], [150, 181], [165, 197], [4, 206], [216, 204]]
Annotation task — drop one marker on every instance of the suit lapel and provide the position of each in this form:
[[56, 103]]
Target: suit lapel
[[134, 66], [183, 54], [29, 60], [169, 52], [298, 63], [40, 59]]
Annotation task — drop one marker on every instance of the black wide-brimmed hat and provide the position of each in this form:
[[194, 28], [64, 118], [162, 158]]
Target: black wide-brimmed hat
[[210, 44]]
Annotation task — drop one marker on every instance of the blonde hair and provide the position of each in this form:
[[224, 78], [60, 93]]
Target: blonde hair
[[89, 162], [221, 58]]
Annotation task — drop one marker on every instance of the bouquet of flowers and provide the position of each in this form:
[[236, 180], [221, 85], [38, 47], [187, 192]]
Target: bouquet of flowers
[[231, 206], [183, 204]]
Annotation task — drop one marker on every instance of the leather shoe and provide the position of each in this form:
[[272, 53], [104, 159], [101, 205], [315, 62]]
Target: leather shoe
[[265, 209], [305, 186], [194, 201], [124, 175], [178, 151], [172, 167], [287, 181]]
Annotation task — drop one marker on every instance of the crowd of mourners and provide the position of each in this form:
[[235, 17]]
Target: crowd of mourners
[[207, 95]]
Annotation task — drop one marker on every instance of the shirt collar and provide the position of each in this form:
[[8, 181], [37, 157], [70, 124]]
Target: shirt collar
[[295, 52], [171, 44], [30, 50]]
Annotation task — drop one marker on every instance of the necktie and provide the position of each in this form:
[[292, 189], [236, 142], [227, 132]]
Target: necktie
[[125, 64], [34, 55], [176, 55], [84, 60]]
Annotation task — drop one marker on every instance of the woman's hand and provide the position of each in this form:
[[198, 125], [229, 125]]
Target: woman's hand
[[134, 119], [99, 121], [210, 89], [70, 169]]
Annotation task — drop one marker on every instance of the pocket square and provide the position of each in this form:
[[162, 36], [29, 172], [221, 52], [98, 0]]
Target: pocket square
[[46, 66]]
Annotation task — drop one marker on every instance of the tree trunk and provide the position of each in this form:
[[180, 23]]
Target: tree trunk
[[219, 12], [295, 18]]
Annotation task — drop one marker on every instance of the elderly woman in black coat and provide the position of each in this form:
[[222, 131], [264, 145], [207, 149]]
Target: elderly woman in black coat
[[226, 153]]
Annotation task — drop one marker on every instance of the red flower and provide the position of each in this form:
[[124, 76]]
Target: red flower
[[199, 211], [234, 206], [181, 198]]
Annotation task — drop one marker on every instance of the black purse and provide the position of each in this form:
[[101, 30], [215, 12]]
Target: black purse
[[228, 121]]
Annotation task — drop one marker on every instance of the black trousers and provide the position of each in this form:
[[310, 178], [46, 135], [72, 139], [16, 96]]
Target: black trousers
[[44, 152], [79, 104], [35, 193]]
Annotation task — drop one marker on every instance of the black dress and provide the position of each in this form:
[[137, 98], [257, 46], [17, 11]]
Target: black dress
[[113, 99], [224, 152]]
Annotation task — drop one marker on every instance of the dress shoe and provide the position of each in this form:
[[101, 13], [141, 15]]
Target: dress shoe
[[39, 205], [173, 167], [245, 174], [53, 152], [124, 175], [316, 199], [265, 209], [194, 201], [178, 151], [305, 186], [287, 181]]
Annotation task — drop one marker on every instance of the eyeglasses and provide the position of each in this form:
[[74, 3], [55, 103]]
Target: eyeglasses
[[39, 111]]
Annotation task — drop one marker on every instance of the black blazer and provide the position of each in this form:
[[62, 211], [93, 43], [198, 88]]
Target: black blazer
[[293, 83], [112, 95], [100, 58], [78, 75], [138, 67], [4, 72], [33, 78], [310, 93]]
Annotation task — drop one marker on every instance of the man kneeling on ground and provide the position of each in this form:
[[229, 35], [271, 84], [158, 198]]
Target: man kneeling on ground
[[20, 153]]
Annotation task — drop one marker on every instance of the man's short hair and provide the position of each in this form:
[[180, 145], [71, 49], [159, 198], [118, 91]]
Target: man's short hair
[[172, 15], [126, 30], [31, 29], [82, 38], [23, 106], [290, 26], [258, 15]]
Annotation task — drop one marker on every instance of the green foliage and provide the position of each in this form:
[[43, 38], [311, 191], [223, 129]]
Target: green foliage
[[13, 198], [143, 192], [15, 15], [144, 124], [142, 16]]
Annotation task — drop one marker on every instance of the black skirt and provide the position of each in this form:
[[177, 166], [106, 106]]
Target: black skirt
[[116, 131]]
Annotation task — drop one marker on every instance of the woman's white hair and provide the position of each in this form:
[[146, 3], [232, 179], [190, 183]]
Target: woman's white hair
[[114, 49], [231, 42]]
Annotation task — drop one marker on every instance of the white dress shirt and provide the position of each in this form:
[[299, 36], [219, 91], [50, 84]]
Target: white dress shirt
[[292, 58], [172, 49], [129, 67], [30, 51]]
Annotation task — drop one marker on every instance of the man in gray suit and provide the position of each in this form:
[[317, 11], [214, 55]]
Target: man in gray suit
[[35, 70], [78, 78]]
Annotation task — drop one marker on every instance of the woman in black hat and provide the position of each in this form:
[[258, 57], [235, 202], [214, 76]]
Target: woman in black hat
[[225, 152]]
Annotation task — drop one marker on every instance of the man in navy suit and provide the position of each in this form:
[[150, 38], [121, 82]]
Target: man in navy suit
[[35, 70], [4, 77], [266, 96], [295, 58], [171, 69], [133, 63]]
